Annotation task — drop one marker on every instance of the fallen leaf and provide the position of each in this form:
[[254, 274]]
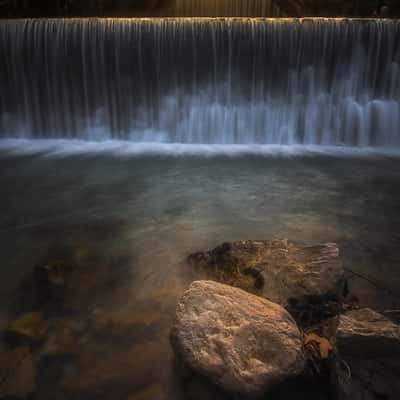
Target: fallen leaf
[[324, 344]]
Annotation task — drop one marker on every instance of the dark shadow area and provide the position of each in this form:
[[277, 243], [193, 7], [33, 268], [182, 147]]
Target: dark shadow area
[[211, 8]]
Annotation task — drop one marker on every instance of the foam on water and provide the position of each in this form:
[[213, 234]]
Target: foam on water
[[118, 148]]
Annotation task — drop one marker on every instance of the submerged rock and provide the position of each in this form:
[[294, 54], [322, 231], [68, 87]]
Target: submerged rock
[[243, 343], [367, 333], [31, 327], [75, 279], [17, 373], [278, 270], [117, 367], [63, 337], [125, 321]]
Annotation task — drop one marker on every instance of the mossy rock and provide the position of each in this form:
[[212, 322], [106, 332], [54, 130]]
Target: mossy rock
[[279, 270]]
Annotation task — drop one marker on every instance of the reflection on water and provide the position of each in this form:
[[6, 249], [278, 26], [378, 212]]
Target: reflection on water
[[125, 223]]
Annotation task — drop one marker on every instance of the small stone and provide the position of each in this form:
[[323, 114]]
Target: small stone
[[17, 373], [31, 326], [365, 333], [241, 342]]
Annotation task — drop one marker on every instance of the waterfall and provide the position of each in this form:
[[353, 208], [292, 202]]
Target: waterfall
[[202, 80]]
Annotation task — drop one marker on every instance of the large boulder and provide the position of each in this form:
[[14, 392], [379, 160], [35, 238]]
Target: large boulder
[[243, 343], [368, 333], [278, 270]]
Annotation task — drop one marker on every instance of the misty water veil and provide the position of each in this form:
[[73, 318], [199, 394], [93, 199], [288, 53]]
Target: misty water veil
[[201, 80]]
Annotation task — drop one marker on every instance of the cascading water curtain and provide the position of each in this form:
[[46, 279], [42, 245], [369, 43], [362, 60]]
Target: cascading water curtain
[[216, 81]]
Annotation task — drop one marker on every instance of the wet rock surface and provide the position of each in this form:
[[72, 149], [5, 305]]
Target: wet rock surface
[[368, 333], [278, 270], [369, 363], [241, 342], [354, 355]]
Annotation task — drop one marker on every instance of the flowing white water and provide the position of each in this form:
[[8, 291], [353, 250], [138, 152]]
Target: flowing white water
[[202, 81], [59, 148]]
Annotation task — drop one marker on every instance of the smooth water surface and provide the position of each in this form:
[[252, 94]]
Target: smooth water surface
[[137, 214]]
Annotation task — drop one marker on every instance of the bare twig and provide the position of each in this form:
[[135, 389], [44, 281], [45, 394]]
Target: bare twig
[[373, 282]]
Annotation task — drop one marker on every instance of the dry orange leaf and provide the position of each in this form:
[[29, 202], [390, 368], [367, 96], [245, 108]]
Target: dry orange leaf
[[324, 344]]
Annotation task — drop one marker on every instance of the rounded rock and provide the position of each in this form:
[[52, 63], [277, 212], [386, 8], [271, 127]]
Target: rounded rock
[[243, 343]]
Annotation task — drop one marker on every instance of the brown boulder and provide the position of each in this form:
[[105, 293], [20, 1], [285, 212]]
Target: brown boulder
[[277, 269], [243, 343], [367, 333]]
